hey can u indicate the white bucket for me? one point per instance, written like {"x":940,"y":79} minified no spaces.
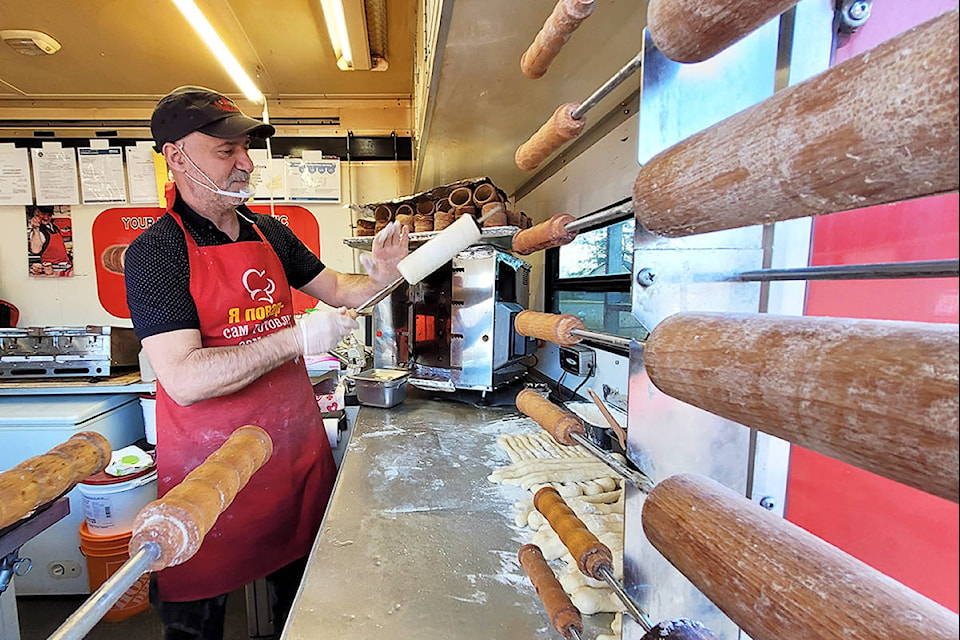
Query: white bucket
{"x":111,"y":504}
{"x":148,"y":403}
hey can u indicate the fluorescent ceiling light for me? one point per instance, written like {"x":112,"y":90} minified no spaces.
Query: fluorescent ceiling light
{"x":210,"y":37}
{"x":347,"y":26}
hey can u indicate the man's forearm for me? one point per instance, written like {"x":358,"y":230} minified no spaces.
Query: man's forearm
{"x":354,"y":289}
{"x":210,"y":372}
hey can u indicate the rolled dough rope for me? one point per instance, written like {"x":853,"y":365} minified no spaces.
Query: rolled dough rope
{"x":590,"y":553}
{"x":604,"y":498}
{"x":696,"y":30}
{"x":179,"y":520}
{"x":40,"y":479}
{"x":439,"y":250}
{"x":552,"y":134}
{"x":556,"y":30}
{"x":563,"y":615}
{"x":549,"y":326}
{"x":561,"y":424}
{"x":868,"y":131}
{"x":586,"y":472}
{"x":591,"y":601}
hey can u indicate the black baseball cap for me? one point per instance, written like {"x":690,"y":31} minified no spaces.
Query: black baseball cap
{"x":188,"y":109}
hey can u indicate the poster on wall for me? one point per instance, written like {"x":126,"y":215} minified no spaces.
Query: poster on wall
{"x":101,"y":174}
{"x":267,"y":176}
{"x":55,"y":174}
{"x":49,"y":241}
{"x":141,"y":173}
{"x":313,"y":178}
{"x":114,"y":229}
{"x":15,"y":187}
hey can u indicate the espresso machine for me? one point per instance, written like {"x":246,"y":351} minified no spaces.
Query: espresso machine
{"x":454,"y":329}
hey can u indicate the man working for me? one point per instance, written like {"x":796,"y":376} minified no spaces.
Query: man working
{"x":192,"y":279}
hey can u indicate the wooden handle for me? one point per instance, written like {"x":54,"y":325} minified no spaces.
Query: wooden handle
{"x":559,"y":26}
{"x":880,"y":395}
{"x":41,"y":479}
{"x":694,"y":30}
{"x":679,"y":629}
{"x":869,"y":131}
{"x":775,"y":580}
{"x":563,"y":614}
{"x":182,"y":517}
{"x":552,"y":233}
{"x":591,"y":554}
{"x":548,"y":326}
{"x":552,"y":134}
{"x":558,"y":423}
{"x":617,"y":429}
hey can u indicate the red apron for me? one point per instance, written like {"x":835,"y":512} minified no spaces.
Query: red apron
{"x":241,"y":293}
{"x":56,"y":251}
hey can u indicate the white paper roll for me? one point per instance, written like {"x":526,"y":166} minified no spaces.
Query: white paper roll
{"x":439,"y":250}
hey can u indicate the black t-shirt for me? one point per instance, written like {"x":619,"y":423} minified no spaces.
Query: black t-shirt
{"x":157,"y":269}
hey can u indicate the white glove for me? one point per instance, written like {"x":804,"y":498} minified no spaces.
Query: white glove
{"x":321,"y":331}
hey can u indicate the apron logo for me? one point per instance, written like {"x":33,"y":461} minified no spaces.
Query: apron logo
{"x":260,"y":287}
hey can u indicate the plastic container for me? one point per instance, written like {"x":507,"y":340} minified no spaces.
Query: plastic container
{"x":148,"y":404}
{"x":105,"y":555}
{"x":383,"y":388}
{"x":110,"y":504}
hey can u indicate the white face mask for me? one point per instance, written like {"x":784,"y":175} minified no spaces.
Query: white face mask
{"x":244,"y":194}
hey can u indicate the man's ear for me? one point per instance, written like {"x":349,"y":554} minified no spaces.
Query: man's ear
{"x":174,"y":156}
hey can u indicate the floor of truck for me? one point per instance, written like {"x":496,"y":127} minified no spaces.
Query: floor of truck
{"x":42,"y":615}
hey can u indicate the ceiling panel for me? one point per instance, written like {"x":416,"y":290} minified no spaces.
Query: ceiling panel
{"x":117,"y":50}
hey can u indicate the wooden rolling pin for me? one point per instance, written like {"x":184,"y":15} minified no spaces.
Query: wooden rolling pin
{"x":552,"y":134}
{"x":696,"y":30}
{"x":564,"y":616}
{"x":41,"y":479}
{"x":552,"y":233}
{"x":554,"y":420}
{"x":775,"y":580}
{"x":880,"y":395}
{"x":880,"y":127}
{"x":559,"y":26}
{"x":179,"y":520}
{"x":595,"y":560}
{"x":549,"y":326}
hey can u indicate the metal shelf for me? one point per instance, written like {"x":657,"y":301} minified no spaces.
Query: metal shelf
{"x":500,"y":237}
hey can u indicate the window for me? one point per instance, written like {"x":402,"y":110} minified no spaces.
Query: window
{"x":590,"y":278}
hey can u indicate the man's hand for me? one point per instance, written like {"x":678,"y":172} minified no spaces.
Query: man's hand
{"x":390,"y":246}
{"x":321,"y":331}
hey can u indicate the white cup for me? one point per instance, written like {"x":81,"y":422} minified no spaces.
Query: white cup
{"x":148,"y":403}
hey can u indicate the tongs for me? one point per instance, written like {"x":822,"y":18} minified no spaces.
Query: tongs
{"x":367,"y":307}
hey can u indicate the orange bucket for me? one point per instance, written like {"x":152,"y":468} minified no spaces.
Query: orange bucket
{"x":106,"y":554}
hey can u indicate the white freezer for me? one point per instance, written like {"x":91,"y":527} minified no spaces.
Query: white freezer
{"x":32,"y":425}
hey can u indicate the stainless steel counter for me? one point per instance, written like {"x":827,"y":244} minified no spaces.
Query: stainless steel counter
{"x":416,"y":541}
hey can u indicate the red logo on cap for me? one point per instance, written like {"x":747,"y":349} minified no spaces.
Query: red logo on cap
{"x":225,"y":104}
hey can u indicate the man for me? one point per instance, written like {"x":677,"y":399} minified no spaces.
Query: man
{"x":46,"y":240}
{"x":208,"y":286}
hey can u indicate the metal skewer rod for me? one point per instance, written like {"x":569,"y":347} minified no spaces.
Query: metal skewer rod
{"x":635,"y":612}
{"x":605,"y":338}
{"x":608,"y":86}
{"x":881,"y":270}
{"x":616,"y":213}
{"x":98,"y":604}
{"x":636,"y":478}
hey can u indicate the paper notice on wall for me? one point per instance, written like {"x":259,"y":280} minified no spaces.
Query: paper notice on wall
{"x":141,"y":176}
{"x":101,"y":174}
{"x":313,"y":178}
{"x":15,"y":186}
{"x":267,"y":176}
{"x":55,"y":174}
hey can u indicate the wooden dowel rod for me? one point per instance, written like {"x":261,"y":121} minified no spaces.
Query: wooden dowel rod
{"x":880,"y":127}
{"x":775,"y":580}
{"x":697,"y":30}
{"x":880,"y":395}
